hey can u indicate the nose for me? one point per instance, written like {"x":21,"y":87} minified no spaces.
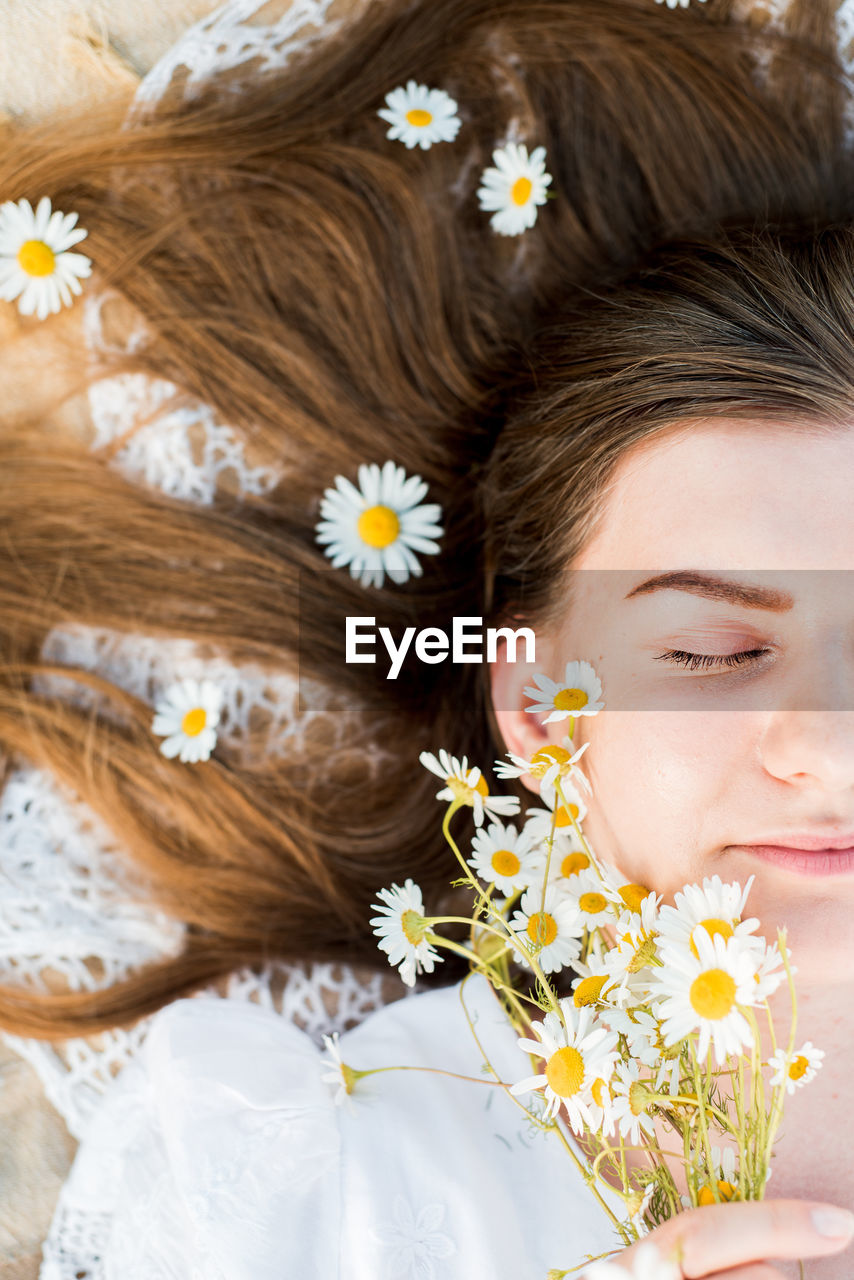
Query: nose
{"x":810,"y":749}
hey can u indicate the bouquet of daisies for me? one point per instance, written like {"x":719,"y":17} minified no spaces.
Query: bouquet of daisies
{"x":643,"y":1021}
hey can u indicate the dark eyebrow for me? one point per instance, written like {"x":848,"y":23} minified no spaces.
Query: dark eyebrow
{"x":714,"y":588}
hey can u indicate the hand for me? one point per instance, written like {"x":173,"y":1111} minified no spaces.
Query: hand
{"x":733,"y":1241}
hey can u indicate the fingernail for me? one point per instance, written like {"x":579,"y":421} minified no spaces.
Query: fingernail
{"x":833,"y":1222}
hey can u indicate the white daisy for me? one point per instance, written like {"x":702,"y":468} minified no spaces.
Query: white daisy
{"x":467,"y":785}
{"x":629,"y":960}
{"x":578,"y":695}
{"x":632,"y":1098}
{"x":514,"y":187}
{"x":35,"y":265}
{"x":335,"y":1071}
{"x":718,"y":907}
{"x":590,"y":987}
{"x":647,"y":1264}
{"x":770,"y":970}
{"x":402,"y":930}
{"x":505,"y":857}
{"x":798,"y":1069}
{"x":539,"y":821}
{"x":552,"y":928}
{"x":724,"y":1173}
{"x":702,"y":993}
{"x":376,"y":528}
{"x":189,"y":714}
{"x":547,"y":764}
{"x":638,"y":1027}
{"x":420,"y":116}
{"x":597,"y":902}
{"x":578,"y":1052}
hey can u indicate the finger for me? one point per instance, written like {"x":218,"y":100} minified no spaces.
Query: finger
{"x":720,"y":1236}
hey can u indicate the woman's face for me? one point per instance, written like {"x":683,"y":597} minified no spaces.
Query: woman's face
{"x":691,"y":767}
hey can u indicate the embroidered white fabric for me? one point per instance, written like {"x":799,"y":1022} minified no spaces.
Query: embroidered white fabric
{"x":220,"y":1154}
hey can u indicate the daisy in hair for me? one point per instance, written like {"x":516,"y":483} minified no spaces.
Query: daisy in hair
{"x":188,"y":715}
{"x":377,"y":528}
{"x":579,"y":694}
{"x":578,"y":1052}
{"x":402,"y":929}
{"x":420,"y":116}
{"x":467,"y":785}
{"x":513,"y":187}
{"x":36,"y":266}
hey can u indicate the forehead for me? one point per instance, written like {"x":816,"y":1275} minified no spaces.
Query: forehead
{"x":730,"y":494}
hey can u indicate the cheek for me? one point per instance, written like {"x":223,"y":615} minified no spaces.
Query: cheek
{"x":661,"y":785}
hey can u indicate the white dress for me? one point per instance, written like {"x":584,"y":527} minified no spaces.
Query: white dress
{"x":220,"y":1153}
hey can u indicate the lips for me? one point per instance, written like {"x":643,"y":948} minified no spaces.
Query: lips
{"x":806,"y":842}
{"x":816,"y":858}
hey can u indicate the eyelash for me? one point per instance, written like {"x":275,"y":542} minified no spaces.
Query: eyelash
{"x":695,"y":660}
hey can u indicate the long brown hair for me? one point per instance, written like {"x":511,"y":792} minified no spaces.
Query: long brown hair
{"x":341,"y":299}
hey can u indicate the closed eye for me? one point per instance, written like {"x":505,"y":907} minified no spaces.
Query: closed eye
{"x":696,"y":660}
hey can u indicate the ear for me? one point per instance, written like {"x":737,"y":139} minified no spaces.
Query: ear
{"x":523,"y":732}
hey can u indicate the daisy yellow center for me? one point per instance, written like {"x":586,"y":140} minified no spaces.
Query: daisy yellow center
{"x":565,"y":1071}
{"x":418,"y":117}
{"x":713,"y":926}
{"x":348,"y":1077}
{"x":378,"y":526}
{"x":542,"y":760}
{"x":36,"y":258}
{"x":564,"y":815}
{"x":599,"y":1091}
{"x":640,"y":1097}
{"x":194,"y":721}
{"x":588,"y":991}
{"x":573,"y":863}
{"x":643,"y":954}
{"x":505,"y":862}
{"x":712,"y":994}
{"x":520,"y":192}
{"x":414,"y":926}
{"x":542,"y":928}
{"x":569,"y":699}
{"x":726,"y":1191}
{"x":462,"y":790}
{"x":633,"y":895}
{"x":592,"y":903}
{"x":798,"y":1067}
